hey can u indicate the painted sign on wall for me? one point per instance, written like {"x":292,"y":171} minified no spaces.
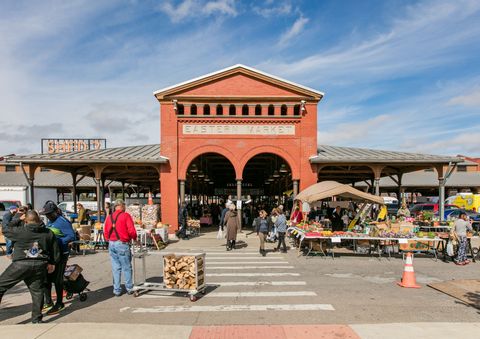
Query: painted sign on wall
{"x":239,"y":129}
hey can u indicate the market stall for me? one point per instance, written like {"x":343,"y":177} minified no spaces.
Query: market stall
{"x":363,"y":235}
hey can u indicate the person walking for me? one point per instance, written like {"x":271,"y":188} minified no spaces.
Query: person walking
{"x":7,"y":218}
{"x":233,"y":226}
{"x":182,"y":221}
{"x":119,"y":231}
{"x":36,"y":253}
{"x":461,"y":227}
{"x":63,"y":230}
{"x":281,"y":226}
{"x":262,"y":225}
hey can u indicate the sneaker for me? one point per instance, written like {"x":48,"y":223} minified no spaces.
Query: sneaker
{"x":130,"y":292}
{"x":117,"y":294}
{"x":39,"y":321}
{"x":47,"y":307}
{"x":467,"y":262}
{"x":56,"y":309}
{"x":264,"y":253}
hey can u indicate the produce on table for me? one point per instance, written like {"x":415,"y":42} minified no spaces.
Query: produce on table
{"x":193,"y":223}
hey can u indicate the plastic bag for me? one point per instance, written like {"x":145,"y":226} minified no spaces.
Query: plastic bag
{"x":220,"y":233}
{"x":450,"y":251}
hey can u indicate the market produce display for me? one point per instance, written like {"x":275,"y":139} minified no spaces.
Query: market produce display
{"x":183,"y":272}
{"x":193,"y":223}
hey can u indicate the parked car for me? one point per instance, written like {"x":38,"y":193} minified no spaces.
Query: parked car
{"x":5,"y":206}
{"x":453,"y":214}
{"x":417,"y":209}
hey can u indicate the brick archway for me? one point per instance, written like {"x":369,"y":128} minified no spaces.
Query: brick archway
{"x":273,"y":150}
{"x":223,"y":151}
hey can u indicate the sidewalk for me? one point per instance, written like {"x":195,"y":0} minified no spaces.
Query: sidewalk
{"x":145,"y":331}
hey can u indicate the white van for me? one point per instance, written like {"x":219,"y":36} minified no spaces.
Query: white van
{"x":67,"y":207}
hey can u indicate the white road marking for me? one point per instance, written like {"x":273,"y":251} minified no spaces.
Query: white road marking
{"x":243,"y":258}
{"x":261,"y":294}
{"x":235,"y":308}
{"x":252,"y":274}
{"x":246,"y":262}
{"x":260,"y":283}
{"x":236,"y":294}
{"x":244,"y":267}
{"x":123,"y":309}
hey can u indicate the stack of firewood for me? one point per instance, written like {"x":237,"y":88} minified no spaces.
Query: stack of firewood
{"x":180,"y":272}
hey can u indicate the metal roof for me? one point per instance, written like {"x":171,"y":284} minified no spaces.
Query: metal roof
{"x":430,"y":179}
{"x":48,"y":179}
{"x":128,"y":154}
{"x":239,"y":66}
{"x":337,"y":154}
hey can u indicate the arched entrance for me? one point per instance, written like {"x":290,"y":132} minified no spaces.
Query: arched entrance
{"x":267,"y":179}
{"x":210,"y":179}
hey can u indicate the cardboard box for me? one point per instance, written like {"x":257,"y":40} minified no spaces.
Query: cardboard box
{"x":72,"y":272}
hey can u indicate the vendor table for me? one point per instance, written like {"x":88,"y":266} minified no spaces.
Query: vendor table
{"x":377,"y":242}
{"x":206,"y":220}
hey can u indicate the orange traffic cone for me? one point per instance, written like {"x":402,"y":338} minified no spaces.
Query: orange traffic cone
{"x":408,"y":278}
{"x":150,"y":200}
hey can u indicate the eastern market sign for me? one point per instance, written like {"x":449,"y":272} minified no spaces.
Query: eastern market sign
{"x":239,"y":129}
{"x":53,"y":146}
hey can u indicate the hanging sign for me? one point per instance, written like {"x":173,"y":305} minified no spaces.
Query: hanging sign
{"x":53,"y":146}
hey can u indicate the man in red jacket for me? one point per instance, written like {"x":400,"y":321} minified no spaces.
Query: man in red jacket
{"x":119,"y":231}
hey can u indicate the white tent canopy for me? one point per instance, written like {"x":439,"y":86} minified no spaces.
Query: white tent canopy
{"x":328,"y":189}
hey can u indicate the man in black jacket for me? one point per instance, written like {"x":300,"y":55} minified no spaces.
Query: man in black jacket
{"x":36,"y":251}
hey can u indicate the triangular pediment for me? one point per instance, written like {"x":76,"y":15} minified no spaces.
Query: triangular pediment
{"x":238,"y":82}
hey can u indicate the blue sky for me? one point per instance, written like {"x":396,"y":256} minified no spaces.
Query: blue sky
{"x":397,"y":75}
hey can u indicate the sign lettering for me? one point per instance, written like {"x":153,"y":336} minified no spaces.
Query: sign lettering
{"x":238,"y":129}
{"x":53,"y":146}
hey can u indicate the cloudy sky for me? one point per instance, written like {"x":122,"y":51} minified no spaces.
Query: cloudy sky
{"x":397,"y":74}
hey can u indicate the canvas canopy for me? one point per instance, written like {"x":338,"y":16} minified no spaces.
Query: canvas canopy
{"x":328,"y":189}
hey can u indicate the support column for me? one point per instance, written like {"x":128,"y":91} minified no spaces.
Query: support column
{"x":441,"y":191}
{"x":123,"y":190}
{"x":182,"y":191}
{"x":377,"y":186}
{"x":74,"y":191}
{"x":377,"y":174}
{"x":97,"y":172}
{"x":239,"y":198}
{"x":295,"y":189}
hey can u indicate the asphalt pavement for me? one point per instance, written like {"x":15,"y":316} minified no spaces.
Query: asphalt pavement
{"x":245,"y":288}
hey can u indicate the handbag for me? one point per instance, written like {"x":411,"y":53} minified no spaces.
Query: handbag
{"x":220,"y":233}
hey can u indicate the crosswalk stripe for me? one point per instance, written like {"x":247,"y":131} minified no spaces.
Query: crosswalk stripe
{"x":252,"y":274}
{"x":260,"y":283}
{"x":246,"y":262}
{"x":242,"y":258}
{"x":234,"y":308}
{"x":245,"y":267}
{"x":237,"y":294}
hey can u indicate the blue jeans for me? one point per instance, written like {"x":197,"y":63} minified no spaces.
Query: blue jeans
{"x":8,"y":244}
{"x":121,"y":259}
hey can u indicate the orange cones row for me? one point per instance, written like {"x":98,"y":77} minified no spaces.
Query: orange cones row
{"x":408,"y":278}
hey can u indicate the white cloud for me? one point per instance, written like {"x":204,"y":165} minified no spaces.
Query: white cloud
{"x":193,"y":8}
{"x":472,"y":99}
{"x":427,"y":37}
{"x":293,"y":31}
{"x":283,"y":8}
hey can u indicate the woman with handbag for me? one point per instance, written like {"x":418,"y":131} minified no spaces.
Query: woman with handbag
{"x":233,"y":226}
{"x":262,"y":225}
{"x":461,"y":227}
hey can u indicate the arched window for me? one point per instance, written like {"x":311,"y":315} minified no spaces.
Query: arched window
{"x":271,"y":110}
{"x":258,"y":110}
{"x":193,"y":109}
{"x":296,"y":110}
{"x":180,"y":109}
{"x":219,"y":110}
{"x":232,"y":110}
{"x":245,"y":109}
{"x":206,"y":109}
{"x":283,"y":110}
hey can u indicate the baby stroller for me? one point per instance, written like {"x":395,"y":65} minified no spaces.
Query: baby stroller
{"x":75,"y":283}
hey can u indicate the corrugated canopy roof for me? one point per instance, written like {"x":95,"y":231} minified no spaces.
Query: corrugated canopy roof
{"x":48,"y":179}
{"x":337,"y":154}
{"x":117,"y":155}
{"x":430,"y":179}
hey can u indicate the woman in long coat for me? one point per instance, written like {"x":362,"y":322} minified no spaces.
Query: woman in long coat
{"x":233,"y":225}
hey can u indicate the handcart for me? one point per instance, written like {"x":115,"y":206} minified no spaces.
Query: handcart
{"x":75,"y":283}
{"x":190,"y":270}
